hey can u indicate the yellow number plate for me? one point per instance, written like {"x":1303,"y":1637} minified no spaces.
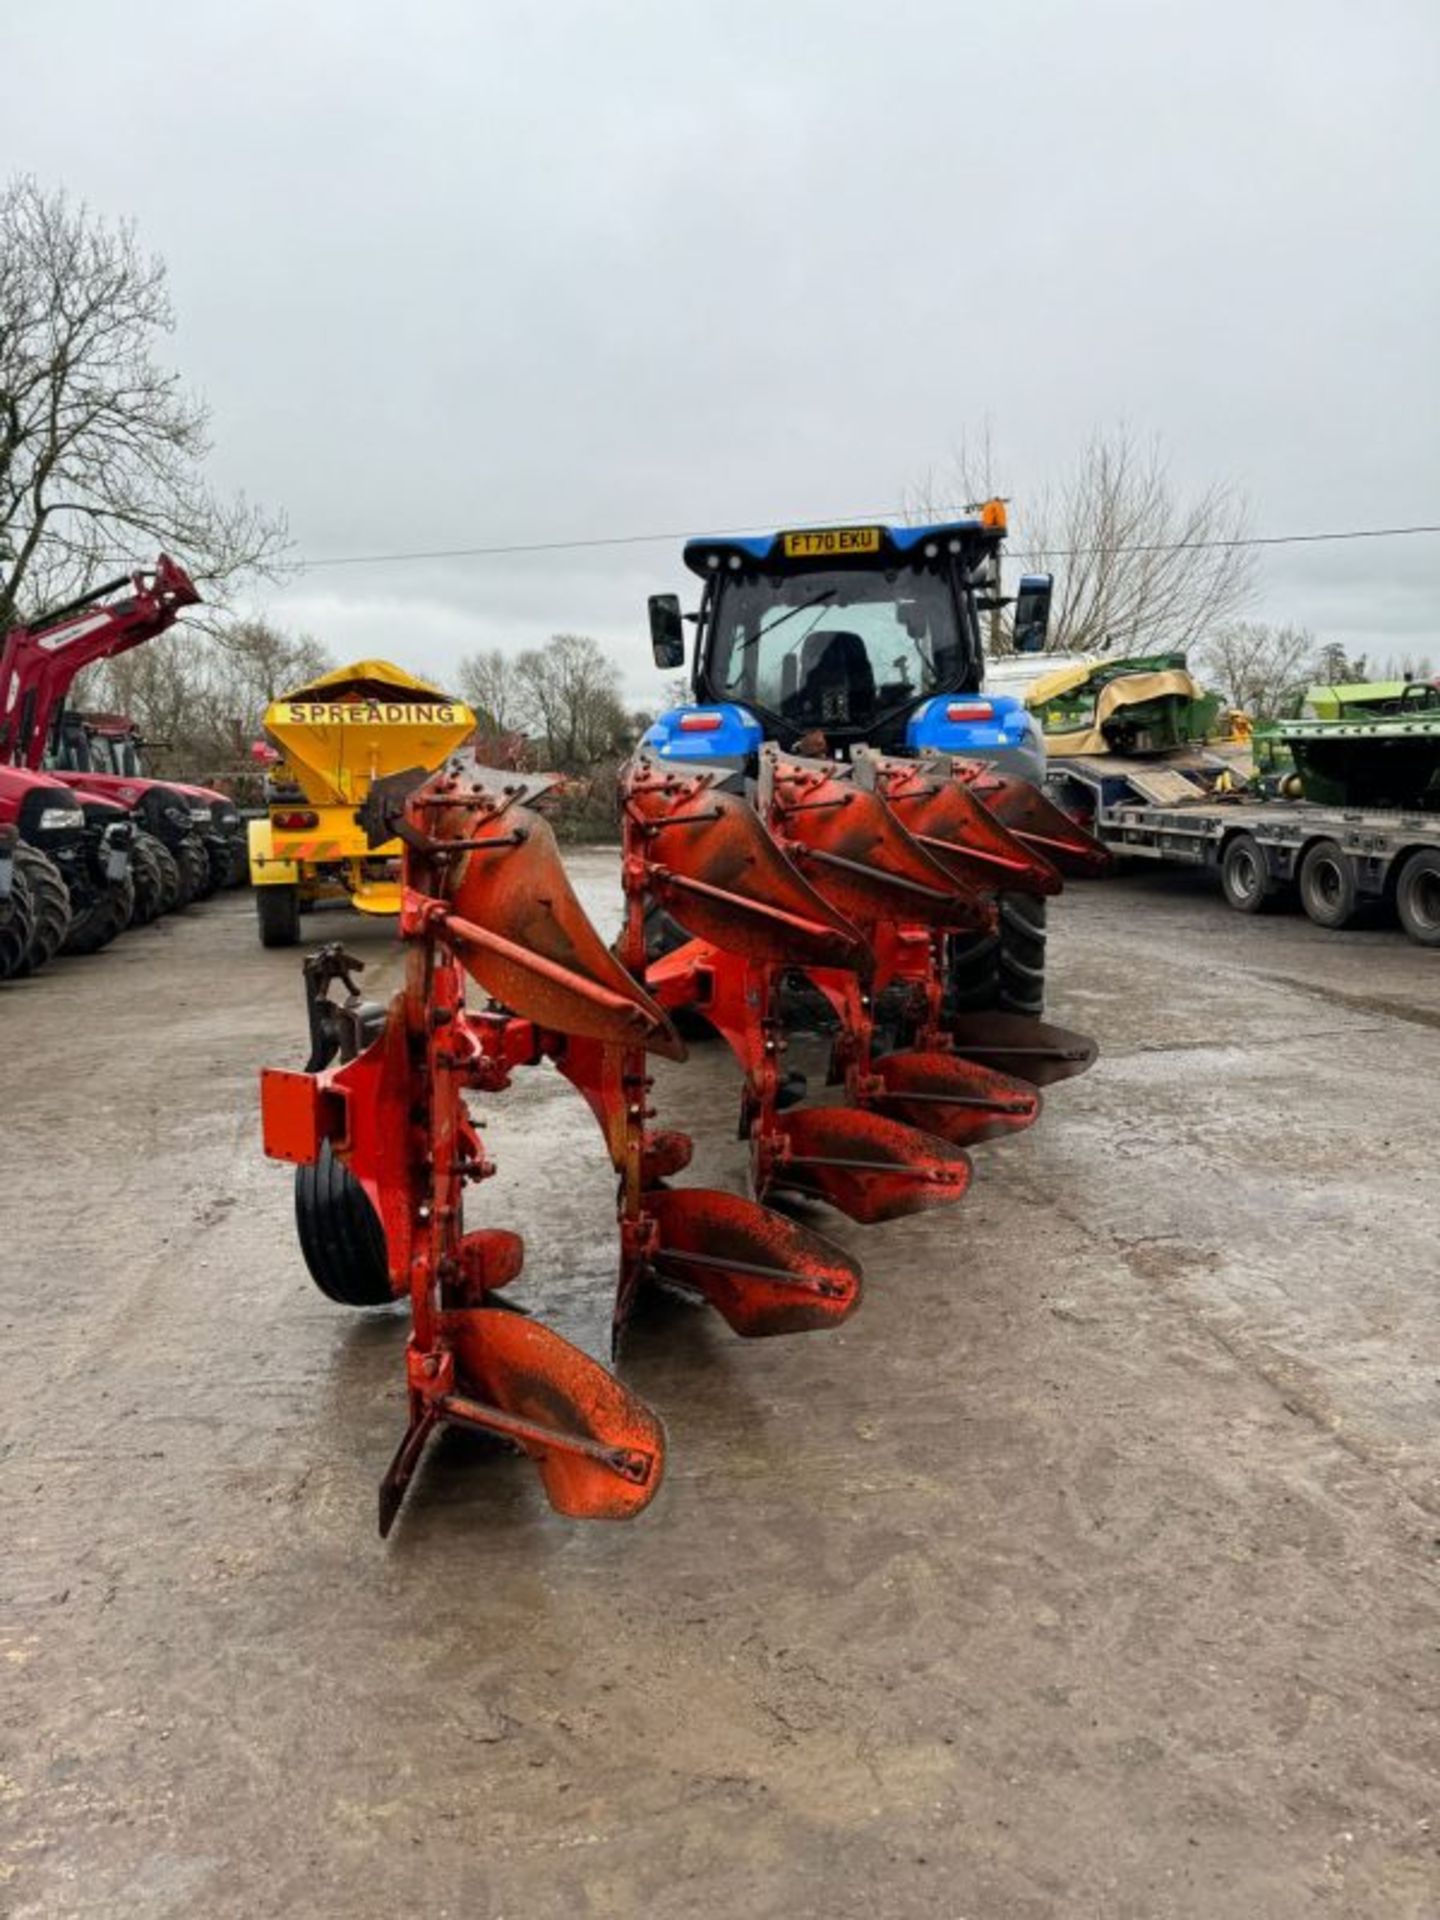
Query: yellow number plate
{"x":819,"y":542}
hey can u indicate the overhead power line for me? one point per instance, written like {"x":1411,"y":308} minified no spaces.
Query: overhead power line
{"x":883,"y":514}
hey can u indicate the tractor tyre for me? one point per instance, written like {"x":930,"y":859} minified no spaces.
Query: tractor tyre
{"x":49,"y":906}
{"x":1245,"y":875}
{"x":17,"y":922}
{"x":194,"y":870}
{"x":340,"y":1234}
{"x":1327,"y":885}
{"x":217,"y":860}
{"x":1417,"y":896}
{"x":1002,"y":971}
{"x":172,"y":884}
{"x":278,"y":911}
{"x":109,"y":916}
{"x":149,"y":881}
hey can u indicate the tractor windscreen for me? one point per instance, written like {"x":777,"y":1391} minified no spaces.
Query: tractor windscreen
{"x":838,"y":649}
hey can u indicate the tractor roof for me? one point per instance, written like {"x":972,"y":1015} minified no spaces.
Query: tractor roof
{"x":367,"y":680}
{"x":797,"y":548}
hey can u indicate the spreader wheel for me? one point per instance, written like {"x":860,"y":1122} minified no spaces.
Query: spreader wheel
{"x":278,"y":911}
{"x":340,"y":1235}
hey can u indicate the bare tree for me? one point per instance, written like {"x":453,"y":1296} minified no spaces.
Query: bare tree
{"x":200,"y":698}
{"x":1335,"y":668}
{"x":1258,"y":667}
{"x":1138,"y":567}
{"x":492,"y":684}
{"x":572,"y":695}
{"x":101,"y":448}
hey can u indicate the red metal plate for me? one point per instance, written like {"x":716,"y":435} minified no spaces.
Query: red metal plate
{"x":526,"y":1370}
{"x":870,"y":1167}
{"x":763,"y":1273}
{"x":714,"y":866}
{"x":1029,"y":1049}
{"x":961,"y":831}
{"x":860,"y":856}
{"x":1033,"y":817}
{"x":545,"y":960}
{"x":953,"y":1098}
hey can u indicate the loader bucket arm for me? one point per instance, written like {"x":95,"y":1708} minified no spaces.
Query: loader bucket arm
{"x":39,"y":661}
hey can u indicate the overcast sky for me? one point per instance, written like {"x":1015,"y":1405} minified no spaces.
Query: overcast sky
{"x":465,"y":274}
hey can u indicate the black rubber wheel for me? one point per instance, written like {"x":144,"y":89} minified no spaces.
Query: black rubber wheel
{"x":1327,"y":885}
{"x":145,"y":871}
{"x":195,"y":866}
{"x":109,"y":916}
{"x":16,"y":924}
{"x":171,"y":884}
{"x":1004,"y":970}
{"x":217,"y":859}
{"x":49,"y":907}
{"x":278,"y":911}
{"x":1417,"y":896}
{"x":340,"y":1236}
{"x":1245,"y":876}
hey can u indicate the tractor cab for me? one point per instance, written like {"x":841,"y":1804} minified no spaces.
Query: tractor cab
{"x":848,"y":636}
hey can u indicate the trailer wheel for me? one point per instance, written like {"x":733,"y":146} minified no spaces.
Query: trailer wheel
{"x":49,"y":907}
{"x":278,"y":911}
{"x":1417,"y":896}
{"x":1003,"y":970}
{"x":1245,"y":876}
{"x":1327,"y":885}
{"x":340,"y":1236}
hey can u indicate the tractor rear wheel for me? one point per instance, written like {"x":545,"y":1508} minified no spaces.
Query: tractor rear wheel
{"x":278,"y":911}
{"x":1417,"y":897}
{"x":1002,"y":971}
{"x":17,"y":921}
{"x":1327,"y":885}
{"x":340,"y":1235}
{"x":49,"y":906}
{"x":109,"y":916}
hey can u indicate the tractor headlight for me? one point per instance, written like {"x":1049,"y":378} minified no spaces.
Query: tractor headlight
{"x":61,"y":819}
{"x":200,"y":816}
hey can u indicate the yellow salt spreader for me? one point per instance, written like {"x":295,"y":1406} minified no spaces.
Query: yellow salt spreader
{"x":335,"y":737}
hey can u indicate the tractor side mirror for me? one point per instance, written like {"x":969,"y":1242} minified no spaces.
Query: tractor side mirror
{"x":667,"y":631}
{"x":1032,"y":611}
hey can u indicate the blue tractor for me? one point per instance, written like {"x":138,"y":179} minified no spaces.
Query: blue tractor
{"x":827,"y":640}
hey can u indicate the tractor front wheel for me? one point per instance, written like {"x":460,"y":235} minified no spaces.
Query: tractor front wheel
{"x":49,"y":903}
{"x":109,"y":916}
{"x":278,"y":911}
{"x":17,"y":924}
{"x":340,"y":1235}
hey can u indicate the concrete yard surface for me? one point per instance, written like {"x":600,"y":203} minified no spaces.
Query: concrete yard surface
{"x":1090,"y":1570}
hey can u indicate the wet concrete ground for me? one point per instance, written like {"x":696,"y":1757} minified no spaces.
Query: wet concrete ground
{"x":1091,"y":1570}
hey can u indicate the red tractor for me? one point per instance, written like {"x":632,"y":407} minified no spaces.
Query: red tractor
{"x":83,"y":839}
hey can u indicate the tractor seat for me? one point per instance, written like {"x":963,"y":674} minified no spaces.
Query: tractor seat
{"x":837,"y":682}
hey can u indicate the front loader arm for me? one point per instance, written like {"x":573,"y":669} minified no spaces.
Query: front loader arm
{"x":39,"y":662}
